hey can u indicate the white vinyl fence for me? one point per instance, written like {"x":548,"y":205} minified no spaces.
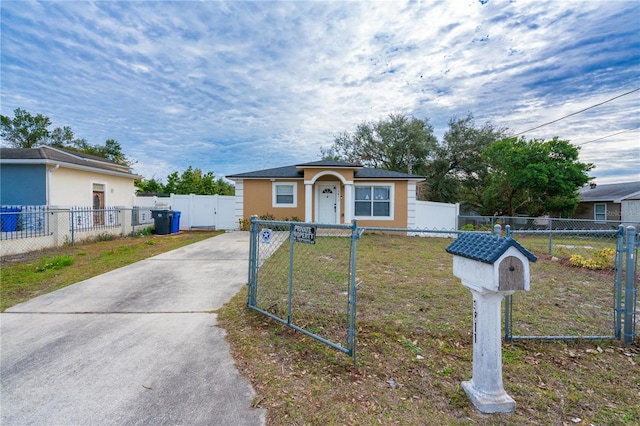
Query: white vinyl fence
{"x":437,"y":216}
{"x":196,"y":211}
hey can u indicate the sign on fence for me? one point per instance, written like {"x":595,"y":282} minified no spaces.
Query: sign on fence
{"x":304,"y":234}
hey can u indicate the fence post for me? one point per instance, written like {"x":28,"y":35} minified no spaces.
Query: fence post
{"x":630,"y":288}
{"x":290,"y":283}
{"x":73,"y":225}
{"x":352,"y":294}
{"x":550,"y":236}
{"x":508,"y":306}
{"x":617,"y":284}
{"x":253,"y":261}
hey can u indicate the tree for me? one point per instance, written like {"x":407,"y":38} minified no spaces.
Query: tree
{"x":149,"y":186}
{"x":191,"y":181}
{"x":399,"y":143}
{"x":533,"y":177}
{"x":457,"y":172}
{"x":28,"y":131}
{"x":25,"y":130}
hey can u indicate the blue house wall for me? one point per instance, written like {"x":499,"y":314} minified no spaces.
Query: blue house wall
{"x":23,"y":185}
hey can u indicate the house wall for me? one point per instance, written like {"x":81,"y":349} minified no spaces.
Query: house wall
{"x":258,"y":200}
{"x":631,"y":211}
{"x":70,"y":187}
{"x":23,"y":185}
{"x":586,"y":211}
{"x":309,"y":174}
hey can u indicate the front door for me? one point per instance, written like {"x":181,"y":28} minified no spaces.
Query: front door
{"x":98,"y":206}
{"x":328,"y":203}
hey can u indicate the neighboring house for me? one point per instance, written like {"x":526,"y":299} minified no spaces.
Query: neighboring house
{"x":328,"y":191}
{"x":48,"y":176}
{"x":616,"y":202}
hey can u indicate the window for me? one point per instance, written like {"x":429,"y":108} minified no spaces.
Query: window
{"x":373,"y":201}
{"x":600,"y":212}
{"x":285,"y":194}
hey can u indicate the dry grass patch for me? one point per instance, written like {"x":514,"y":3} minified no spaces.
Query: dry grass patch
{"x":414,"y":347}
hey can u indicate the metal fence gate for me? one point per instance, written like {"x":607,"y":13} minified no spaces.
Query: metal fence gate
{"x":588,"y":277}
{"x":303,"y":275}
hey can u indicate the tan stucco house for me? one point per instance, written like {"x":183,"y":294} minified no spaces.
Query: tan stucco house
{"x":328,"y":191}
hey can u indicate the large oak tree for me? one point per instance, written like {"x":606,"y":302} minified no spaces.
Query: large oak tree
{"x":399,"y":143}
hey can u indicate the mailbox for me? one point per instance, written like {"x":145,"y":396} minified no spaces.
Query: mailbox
{"x":491,"y":267}
{"x":491,"y":263}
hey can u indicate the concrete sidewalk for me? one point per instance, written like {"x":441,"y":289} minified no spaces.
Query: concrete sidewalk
{"x":138,"y":345}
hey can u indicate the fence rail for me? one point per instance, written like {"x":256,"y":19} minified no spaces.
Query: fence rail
{"x":471,"y":223}
{"x":33,"y":228}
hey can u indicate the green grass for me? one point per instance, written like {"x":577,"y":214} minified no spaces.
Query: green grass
{"x":414,"y":344}
{"x":26,"y":276}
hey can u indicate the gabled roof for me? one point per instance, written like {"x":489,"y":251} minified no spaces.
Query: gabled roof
{"x":330,"y":163}
{"x":614,"y":192}
{"x":71,"y":159}
{"x":486,"y":248}
{"x":297,"y":171}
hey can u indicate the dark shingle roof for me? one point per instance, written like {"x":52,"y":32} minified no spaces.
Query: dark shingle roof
{"x":61,"y":155}
{"x":609,"y":192}
{"x":485,"y":248}
{"x":330,"y":163}
{"x":297,"y":172}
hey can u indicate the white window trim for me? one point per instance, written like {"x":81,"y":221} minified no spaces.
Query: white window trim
{"x":595,"y":213}
{"x":392,"y":191}
{"x":274,"y":195}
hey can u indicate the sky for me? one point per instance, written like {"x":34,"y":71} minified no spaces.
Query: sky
{"x":233,"y":87}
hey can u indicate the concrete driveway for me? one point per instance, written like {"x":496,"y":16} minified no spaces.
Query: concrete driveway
{"x":138,"y":345}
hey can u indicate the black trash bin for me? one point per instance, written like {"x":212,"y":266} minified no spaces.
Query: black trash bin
{"x":162,"y":221}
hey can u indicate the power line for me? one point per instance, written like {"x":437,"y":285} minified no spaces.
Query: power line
{"x":578,"y":112}
{"x":608,"y":136}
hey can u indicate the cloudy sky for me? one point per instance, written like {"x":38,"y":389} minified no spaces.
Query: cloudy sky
{"x":233,"y":87}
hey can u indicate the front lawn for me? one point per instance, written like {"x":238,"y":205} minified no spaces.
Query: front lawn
{"x":414,"y":347}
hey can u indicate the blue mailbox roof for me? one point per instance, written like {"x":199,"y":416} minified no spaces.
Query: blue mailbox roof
{"x":485,"y":248}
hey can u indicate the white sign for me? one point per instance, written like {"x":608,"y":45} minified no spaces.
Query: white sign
{"x":265,"y":236}
{"x":304,"y":234}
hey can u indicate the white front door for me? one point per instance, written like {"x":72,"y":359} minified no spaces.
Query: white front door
{"x":328,"y":203}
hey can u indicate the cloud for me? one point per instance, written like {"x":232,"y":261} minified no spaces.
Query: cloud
{"x":237,"y":86}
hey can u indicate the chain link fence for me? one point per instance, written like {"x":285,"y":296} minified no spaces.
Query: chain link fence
{"x":27,"y":229}
{"x":303,"y":275}
{"x":486,"y":223}
{"x":583,"y":285}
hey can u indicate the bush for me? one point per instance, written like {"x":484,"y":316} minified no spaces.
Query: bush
{"x":601,"y":259}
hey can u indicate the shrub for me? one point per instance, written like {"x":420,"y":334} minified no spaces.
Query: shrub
{"x":244,"y":224}
{"x":601,"y":259}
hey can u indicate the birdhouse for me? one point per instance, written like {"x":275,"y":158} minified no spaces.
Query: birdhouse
{"x":489,"y":263}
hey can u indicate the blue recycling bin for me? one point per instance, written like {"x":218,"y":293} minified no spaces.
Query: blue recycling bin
{"x":9,"y":218}
{"x":175,"y":222}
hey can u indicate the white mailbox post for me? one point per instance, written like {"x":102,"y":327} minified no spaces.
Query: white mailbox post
{"x":491,"y":267}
